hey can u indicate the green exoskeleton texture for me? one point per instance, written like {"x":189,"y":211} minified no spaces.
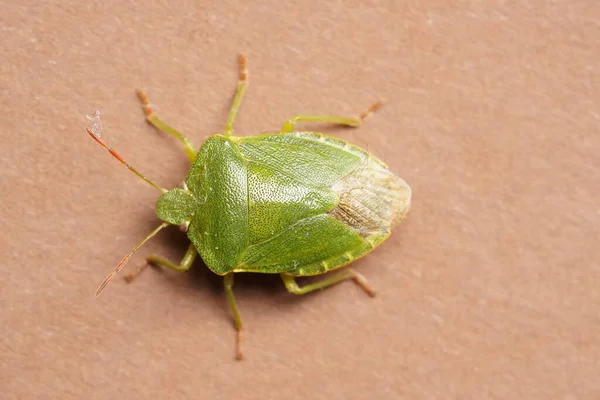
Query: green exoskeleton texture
{"x":292,"y":203}
{"x":300,"y":203}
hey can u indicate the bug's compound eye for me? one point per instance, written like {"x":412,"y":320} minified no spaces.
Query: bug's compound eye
{"x":184,"y":227}
{"x":176,"y":206}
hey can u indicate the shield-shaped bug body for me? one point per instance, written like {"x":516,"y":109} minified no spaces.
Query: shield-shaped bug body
{"x":291,"y":203}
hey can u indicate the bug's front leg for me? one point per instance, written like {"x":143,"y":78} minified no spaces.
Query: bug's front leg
{"x":348,"y":273}
{"x":161,"y":126}
{"x":153,"y":259}
{"x":290,"y":124}
{"x":243,"y":83}
{"x":237,"y":320}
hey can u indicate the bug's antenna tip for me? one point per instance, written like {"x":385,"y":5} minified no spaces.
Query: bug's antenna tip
{"x":104,"y":283}
{"x":125,"y":259}
{"x":95,"y":128}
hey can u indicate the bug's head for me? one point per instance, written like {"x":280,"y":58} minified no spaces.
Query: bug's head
{"x":173,"y":207}
{"x":176,"y":206}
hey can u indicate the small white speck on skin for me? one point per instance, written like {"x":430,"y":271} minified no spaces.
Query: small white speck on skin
{"x":429,"y":19}
{"x":95,"y":125}
{"x":437,"y":319}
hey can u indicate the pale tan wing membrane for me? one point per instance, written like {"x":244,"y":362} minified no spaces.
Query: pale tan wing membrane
{"x":371,"y":199}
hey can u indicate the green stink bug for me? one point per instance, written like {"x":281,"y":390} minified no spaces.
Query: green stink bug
{"x":290,"y":203}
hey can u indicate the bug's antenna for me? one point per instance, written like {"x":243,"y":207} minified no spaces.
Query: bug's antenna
{"x":95,"y":131}
{"x":127,"y":257}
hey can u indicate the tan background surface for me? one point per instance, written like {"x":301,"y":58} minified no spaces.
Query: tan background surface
{"x":489,"y":290}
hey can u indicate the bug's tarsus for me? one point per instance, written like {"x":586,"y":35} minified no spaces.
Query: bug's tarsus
{"x":145,"y":104}
{"x":132,"y":275}
{"x":239,"y":353}
{"x":363,"y":283}
{"x":243,"y":68}
{"x":370,"y":111}
{"x":239,"y":94}
{"x":122,"y":263}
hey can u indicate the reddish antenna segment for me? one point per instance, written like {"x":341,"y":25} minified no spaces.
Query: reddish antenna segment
{"x":95,"y":131}
{"x":121,"y":264}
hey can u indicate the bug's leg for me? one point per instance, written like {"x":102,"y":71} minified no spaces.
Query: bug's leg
{"x":153,"y":259}
{"x":161,"y":126}
{"x":290,"y":124}
{"x":348,"y":273}
{"x":239,"y":94}
{"x":237,"y":320}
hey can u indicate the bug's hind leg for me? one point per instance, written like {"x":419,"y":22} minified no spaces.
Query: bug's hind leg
{"x":348,"y":273}
{"x":153,"y":259}
{"x":237,"y":320}
{"x":161,"y":126}
{"x":290,"y":124}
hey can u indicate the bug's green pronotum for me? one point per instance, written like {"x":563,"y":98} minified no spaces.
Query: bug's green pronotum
{"x":290,"y":203}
